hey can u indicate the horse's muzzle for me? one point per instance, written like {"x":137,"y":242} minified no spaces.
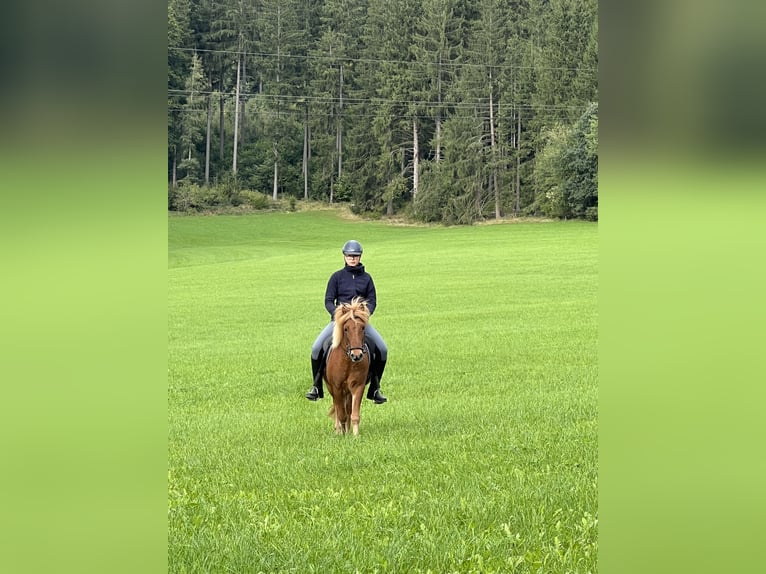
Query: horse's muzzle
{"x":356,"y":354}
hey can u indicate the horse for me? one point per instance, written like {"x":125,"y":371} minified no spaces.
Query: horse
{"x":348,"y":364}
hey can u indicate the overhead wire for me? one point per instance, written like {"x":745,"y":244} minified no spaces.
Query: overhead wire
{"x":382,"y":60}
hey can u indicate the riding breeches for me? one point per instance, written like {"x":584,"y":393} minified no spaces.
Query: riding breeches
{"x":369,"y":331}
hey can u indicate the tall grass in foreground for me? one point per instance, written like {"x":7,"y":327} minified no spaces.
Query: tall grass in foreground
{"x":484,"y":458}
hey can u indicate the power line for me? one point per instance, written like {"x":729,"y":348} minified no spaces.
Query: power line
{"x":286,"y":98}
{"x":382,"y":61}
{"x":314,"y":115}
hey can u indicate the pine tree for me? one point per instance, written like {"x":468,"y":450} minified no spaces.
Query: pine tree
{"x":565,"y":83}
{"x":388,"y":34}
{"x":437,"y":50}
{"x":233,"y":29}
{"x":179,"y":60}
{"x":333,"y":77}
{"x":481,"y":86}
{"x":193,"y":120}
{"x":518,"y":91}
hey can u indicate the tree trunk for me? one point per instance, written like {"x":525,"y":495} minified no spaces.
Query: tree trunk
{"x":332,"y":183}
{"x":221,"y":134}
{"x":438,"y":126}
{"x":438,"y":139}
{"x":276,"y":173}
{"x":207,"y":139}
{"x":518,"y":161}
{"x":493,"y":170}
{"x":175,"y":178}
{"x":339,"y":138}
{"x":236,"y":118}
{"x":306,"y":155}
{"x":415,"y":160}
{"x":243,"y":105}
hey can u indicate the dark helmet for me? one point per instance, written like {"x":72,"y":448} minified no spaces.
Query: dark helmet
{"x":352,"y":247}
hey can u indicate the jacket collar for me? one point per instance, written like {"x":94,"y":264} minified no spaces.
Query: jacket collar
{"x":357,"y":269}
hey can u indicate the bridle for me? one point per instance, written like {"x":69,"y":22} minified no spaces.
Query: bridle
{"x":363,"y":349}
{"x":349,"y":348}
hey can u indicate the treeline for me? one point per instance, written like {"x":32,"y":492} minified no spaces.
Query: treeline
{"x":442,"y":110}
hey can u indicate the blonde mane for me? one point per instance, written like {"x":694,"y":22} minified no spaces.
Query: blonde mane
{"x":357,"y":309}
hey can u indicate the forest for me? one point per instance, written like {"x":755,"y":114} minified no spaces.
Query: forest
{"x":446,"y":111}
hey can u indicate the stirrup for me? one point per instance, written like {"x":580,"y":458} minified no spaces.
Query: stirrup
{"x":313,"y":394}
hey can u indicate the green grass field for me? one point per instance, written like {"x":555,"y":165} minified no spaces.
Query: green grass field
{"x":485,"y":457}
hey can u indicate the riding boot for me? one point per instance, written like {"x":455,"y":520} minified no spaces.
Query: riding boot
{"x":373,"y":392}
{"x":316,"y":391}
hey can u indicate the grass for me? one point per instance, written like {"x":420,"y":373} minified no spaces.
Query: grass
{"x":484,"y":458}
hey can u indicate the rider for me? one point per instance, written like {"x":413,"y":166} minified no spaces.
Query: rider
{"x":343,"y":285}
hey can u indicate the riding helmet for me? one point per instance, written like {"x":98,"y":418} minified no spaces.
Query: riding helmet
{"x":352,"y":247}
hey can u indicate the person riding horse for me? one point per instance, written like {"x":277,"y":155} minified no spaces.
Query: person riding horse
{"x":343,"y":285}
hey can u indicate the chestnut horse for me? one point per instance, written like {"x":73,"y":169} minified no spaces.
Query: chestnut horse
{"x":348,"y":363}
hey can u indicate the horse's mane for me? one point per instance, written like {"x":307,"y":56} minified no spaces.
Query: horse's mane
{"x":357,"y":309}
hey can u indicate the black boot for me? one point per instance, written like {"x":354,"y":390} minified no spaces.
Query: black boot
{"x":373,"y":393}
{"x":316,"y":391}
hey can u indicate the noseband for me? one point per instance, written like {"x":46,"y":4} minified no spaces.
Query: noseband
{"x":349,"y":349}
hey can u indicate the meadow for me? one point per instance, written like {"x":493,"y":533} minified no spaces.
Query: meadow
{"x":484,"y":459}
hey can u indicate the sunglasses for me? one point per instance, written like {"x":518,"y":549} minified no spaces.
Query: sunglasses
{"x":352,"y":255}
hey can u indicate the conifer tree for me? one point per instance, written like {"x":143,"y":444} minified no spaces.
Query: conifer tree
{"x":179,"y":59}
{"x":333,"y":79}
{"x":193,"y":120}
{"x":437,"y":49}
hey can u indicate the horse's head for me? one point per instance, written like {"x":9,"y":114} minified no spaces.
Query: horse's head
{"x":350,"y":323}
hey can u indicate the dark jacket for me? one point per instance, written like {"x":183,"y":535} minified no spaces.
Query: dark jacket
{"x":347,"y":283}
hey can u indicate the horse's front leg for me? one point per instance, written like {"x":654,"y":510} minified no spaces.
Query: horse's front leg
{"x":341,"y":419}
{"x":356,"y":407}
{"x":348,"y":403}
